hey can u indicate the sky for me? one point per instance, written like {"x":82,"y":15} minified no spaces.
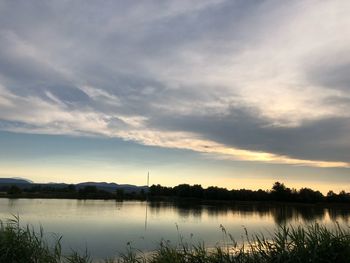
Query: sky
{"x":233,"y":93}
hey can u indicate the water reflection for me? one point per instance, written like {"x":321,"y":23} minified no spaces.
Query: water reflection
{"x":12,"y":202}
{"x":280,"y":213}
{"x":337,"y":214}
{"x":104,"y":227}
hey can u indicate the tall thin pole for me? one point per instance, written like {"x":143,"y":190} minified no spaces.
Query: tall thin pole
{"x":148,"y":179}
{"x":147,"y":200}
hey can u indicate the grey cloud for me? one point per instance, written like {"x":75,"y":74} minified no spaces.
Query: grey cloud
{"x":339,"y":101}
{"x":333,"y":75}
{"x":69,"y":94}
{"x":21,"y":73}
{"x":112,"y":46}
{"x":326,"y":139}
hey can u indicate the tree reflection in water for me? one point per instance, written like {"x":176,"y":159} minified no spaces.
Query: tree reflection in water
{"x":280,"y":213}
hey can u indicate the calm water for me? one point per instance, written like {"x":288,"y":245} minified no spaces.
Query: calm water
{"x":104,"y":227}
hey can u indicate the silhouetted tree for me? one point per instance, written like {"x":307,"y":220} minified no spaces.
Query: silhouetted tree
{"x":281,"y":193}
{"x":14,"y":189}
{"x":310,"y":196}
{"x":120,"y":193}
{"x":89,"y":189}
{"x":71,"y":188}
{"x":183,"y":190}
{"x":197,"y":191}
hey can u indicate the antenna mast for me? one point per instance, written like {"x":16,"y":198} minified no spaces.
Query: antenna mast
{"x":148,"y":179}
{"x":147,"y":200}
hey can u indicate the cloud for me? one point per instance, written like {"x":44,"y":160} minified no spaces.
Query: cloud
{"x":260,"y":81}
{"x":335,"y":75}
{"x":245,"y":128}
{"x":55,"y":118}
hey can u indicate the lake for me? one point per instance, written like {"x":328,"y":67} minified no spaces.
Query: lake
{"x":105,"y":227}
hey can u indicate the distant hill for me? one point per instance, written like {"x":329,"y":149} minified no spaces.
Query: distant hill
{"x":15,"y":181}
{"x":110,"y":187}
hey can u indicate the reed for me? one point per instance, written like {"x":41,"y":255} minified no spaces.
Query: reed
{"x":312,"y":243}
{"x":25,"y":245}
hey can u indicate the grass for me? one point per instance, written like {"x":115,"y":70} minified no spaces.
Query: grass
{"x":313,"y":243}
{"x":24,"y":245}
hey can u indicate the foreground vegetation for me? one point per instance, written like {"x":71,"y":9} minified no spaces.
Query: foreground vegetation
{"x":24,"y":245}
{"x":313,"y":243}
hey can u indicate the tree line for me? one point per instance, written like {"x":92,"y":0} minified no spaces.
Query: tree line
{"x":70,"y":191}
{"x":278,"y":192}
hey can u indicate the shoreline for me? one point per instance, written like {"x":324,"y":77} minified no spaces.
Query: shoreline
{"x":185,"y":201}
